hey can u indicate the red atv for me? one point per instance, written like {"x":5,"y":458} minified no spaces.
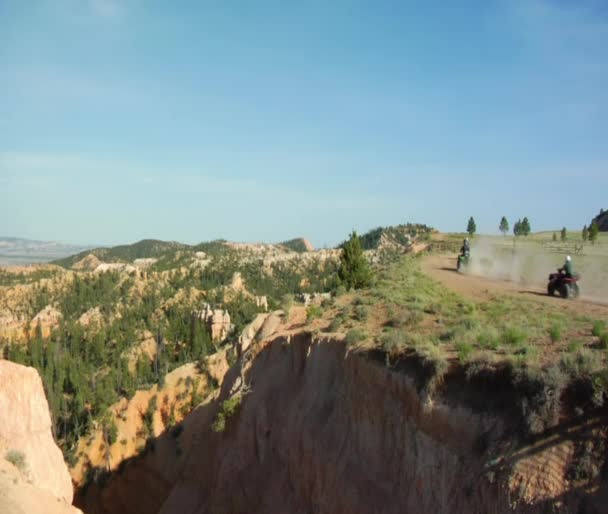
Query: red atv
{"x":567,"y":287}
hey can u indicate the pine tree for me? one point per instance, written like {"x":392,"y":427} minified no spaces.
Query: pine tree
{"x":525,"y":226}
{"x":504,"y":226}
{"x":517,"y":228}
{"x":471,"y":227}
{"x":354,"y":271}
{"x":585,"y":233}
{"x":593,"y":232}
{"x":564,"y":234}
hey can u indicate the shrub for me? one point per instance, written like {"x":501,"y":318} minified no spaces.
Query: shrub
{"x":448,"y":335}
{"x":111,"y":431}
{"x":527,"y":352}
{"x":340,"y":290}
{"x":361,"y":313}
{"x":354,"y":336}
{"x":604,"y":340}
{"x":488,"y":340}
{"x":228,"y":408}
{"x":397,"y":319}
{"x":513,"y":336}
{"x":16,"y":458}
{"x":336,"y":323}
{"x":393,"y":341}
{"x":313,"y":312}
{"x":598,"y":328}
{"x":578,"y":364}
{"x":574,"y":346}
{"x":555,"y":333}
{"x":470,"y":322}
{"x":464,"y":350}
{"x":286,"y":303}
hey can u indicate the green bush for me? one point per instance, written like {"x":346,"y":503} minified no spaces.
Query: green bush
{"x":513,"y":336}
{"x":354,"y":336}
{"x":604,"y":340}
{"x":340,"y":290}
{"x":361,"y":312}
{"x":336,"y":323}
{"x":16,"y":458}
{"x":313,"y":312}
{"x":393,"y":341}
{"x":579,"y":364}
{"x":488,"y":339}
{"x":464,"y":350}
{"x":574,"y":346}
{"x":228,"y":408}
{"x":598,"y":328}
{"x":555,"y":333}
{"x":286,"y":303}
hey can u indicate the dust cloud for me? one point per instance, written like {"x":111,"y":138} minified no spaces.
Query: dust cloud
{"x":530,"y":262}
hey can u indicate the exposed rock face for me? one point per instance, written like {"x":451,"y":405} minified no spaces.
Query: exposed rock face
{"x":264,"y":325}
{"x":325,"y":430}
{"x":48,"y":316}
{"x":88,"y":263}
{"x":170,"y":403}
{"x":93,"y":315}
{"x":250,"y":331}
{"x":115,"y":266}
{"x":308,"y":245}
{"x":270,"y":326}
{"x":313,"y":298}
{"x":217,"y":320}
{"x":18,"y":496}
{"x":25,"y":428}
{"x":144,"y":263}
{"x":147,"y":346}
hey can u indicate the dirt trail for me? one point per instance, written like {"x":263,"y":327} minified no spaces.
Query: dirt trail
{"x":443,"y":269}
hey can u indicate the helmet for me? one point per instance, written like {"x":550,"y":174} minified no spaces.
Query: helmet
{"x":568,"y":258}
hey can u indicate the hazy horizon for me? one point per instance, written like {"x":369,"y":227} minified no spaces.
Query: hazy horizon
{"x":125,"y":120}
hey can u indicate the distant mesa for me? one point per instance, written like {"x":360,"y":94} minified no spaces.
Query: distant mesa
{"x":15,"y":251}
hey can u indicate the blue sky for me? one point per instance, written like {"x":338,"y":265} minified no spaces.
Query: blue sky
{"x":189,"y":121}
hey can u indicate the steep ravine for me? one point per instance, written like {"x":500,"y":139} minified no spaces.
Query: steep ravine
{"x":324,"y":430}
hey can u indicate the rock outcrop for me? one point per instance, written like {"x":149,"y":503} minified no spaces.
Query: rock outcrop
{"x":327,"y":431}
{"x":18,"y":496}
{"x":88,"y":263}
{"x":25,"y":432}
{"x":217,"y":321}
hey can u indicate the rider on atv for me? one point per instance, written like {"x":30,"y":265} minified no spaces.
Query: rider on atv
{"x":463,"y":257}
{"x":564,"y":281}
{"x":566,"y":269}
{"x":465,"y":250}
